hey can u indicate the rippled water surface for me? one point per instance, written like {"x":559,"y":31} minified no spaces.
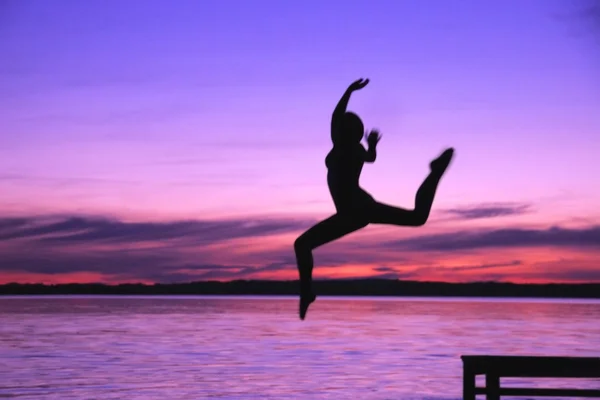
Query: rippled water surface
{"x":113,"y":347}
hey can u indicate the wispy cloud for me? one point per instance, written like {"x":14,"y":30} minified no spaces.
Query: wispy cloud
{"x":502,"y":238}
{"x":177,"y":251}
{"x":483,"y":266}
{"x":492,"y":210}
{"x":573,"y":273}
{"x":420,"y":272}
{"x":77,"y":229}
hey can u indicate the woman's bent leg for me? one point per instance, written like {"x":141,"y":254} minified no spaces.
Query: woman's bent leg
{"x":323,"y":232}
{"x":384,"y":214}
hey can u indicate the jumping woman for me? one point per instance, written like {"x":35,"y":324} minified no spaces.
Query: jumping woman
{"x":355,"y":207}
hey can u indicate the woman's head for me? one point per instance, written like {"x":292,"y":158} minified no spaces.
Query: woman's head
{"x":353,"y":128}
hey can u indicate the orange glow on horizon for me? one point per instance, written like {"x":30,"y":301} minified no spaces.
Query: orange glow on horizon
{"x":357,"y":256}
{"x":65,"y":278}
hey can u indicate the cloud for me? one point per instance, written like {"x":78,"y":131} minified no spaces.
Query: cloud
{"x":12,"y":223}
{"x":391,"y":273}
{"x":394,"y":275}
{"x":493,"y":210}
{"x":114,"y":262}
{"x":573,"y":273}
{"x":189,"y":273}
{"x":502,"y":238}
{"x":140,"y":250}
{"x":126,"y":266}
{"x":239,"y":272}
{"x":419,"y":273}
{"x":179,"y":251}
{"x":77,"y":229}
{"x":483,"y":266}
{"x":384,"y":269}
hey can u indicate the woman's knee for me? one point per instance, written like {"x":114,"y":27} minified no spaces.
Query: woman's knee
{"x":301,"y":244}
{"x":419,"y":218}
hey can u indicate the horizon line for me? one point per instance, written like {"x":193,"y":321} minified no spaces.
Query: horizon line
{"x":289,"y":281}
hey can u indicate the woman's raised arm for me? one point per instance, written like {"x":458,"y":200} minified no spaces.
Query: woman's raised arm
{"x":340,"y":108}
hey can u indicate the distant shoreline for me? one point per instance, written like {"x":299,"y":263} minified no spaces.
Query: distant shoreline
{"x":354,"y":287}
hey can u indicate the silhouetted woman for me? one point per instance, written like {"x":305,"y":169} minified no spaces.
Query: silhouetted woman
{"x":355,"y":207}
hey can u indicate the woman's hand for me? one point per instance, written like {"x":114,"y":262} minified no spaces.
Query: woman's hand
{"x":373,"y":138}
{"x":358,"y":84}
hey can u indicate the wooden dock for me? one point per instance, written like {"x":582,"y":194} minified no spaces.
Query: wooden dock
{"x":496,"y":367}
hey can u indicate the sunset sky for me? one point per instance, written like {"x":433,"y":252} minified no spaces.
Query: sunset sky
{"x":169,"y":141}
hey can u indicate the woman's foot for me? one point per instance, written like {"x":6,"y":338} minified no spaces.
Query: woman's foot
{"x":440,"y":164}
{"x":305,"y":301}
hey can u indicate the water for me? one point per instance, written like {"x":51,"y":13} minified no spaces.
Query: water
{"x":159,"y":347}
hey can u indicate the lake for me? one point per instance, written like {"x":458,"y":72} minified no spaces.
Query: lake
{"x":243,"y":347}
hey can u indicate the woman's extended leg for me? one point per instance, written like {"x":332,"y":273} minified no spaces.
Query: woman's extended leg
{"x":385,"y":214}
{"x":323,"y":232}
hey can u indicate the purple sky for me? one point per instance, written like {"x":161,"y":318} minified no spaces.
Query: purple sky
{"x":159,"y":111}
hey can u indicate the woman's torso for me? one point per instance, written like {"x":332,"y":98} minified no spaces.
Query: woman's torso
{"x":344,"y":164}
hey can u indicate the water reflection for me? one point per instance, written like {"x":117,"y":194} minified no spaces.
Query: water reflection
{"x":193,"y":347}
